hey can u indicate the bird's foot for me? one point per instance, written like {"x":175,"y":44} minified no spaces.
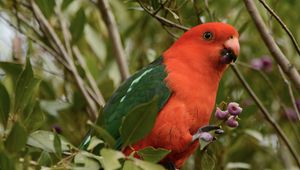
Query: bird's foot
{"x":203,"y":132}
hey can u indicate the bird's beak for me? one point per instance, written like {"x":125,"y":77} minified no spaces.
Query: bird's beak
{"x":230,"y":51}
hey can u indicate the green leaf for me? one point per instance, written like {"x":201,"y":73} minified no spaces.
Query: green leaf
{"x":53,"y":107}
{"x":86,"y":161}
{"x":243,"y":27}
{"x":94,"y":143}
{"x":4,"y":105}
{"x":137,"y":124}
{"x":45,"y":159}
{"x":148,"y":165}
{"x":16,"y":139}
{"x":207,"y":162}
{"x":6,"y":162}
{"x":203,"y":143}
{"x":111,"y":158}
{"x":57,"y":145}
{"x":45,"y":140}
{"x":65,"y":4}
{"x":259,"y":138}
{"x":12,"y":69}
{"x":152,"y":154}
{"x":26,"y":85}
{"x":77,"y":25}
{"x":35,"y":119}
{"x":47,"y":90}
{"x":155,"y":4}
{"x":175,"y":16}
{"x":46,"y":6}
{"x":103,"y":134}
{"x":129,"y":165}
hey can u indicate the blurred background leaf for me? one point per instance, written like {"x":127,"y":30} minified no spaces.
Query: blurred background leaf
{"x":39,"y":96}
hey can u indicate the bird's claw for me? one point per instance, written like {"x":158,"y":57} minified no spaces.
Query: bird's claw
{"x":219,"y":131}
{"x":207,"y":128}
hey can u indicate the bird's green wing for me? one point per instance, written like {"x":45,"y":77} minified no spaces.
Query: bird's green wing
{"x":138,"y":89}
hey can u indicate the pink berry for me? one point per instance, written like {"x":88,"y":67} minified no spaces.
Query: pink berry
{"x":256,"y":63}
{"x":221,"y":115}
{"x":232,"y":122}
{"x":291,"y":114}
{"x":234,"y":108}
{"x":266,"y":63}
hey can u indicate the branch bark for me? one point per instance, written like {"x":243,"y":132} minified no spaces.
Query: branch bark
{"x":112,"y":29}
{"x":162,"y":20}
{"x":284,"y":27}
{"x":49,"y":31}
{"x":95,"y":90}
{"x":266,"y":114}
{"x":281,"y":59}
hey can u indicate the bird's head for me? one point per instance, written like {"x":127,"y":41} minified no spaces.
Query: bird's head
{"x":211,"y":45}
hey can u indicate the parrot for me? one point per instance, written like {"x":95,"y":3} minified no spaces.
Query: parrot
{"x":185,"y":78}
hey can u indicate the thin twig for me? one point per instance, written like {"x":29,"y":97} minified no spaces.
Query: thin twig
{"x":65,"y":31}
{"x":99,"y":97}
{"x":294,"y":127}
{"x":160,"y":7}
{"x":197,"y":11}
{"x":95,"y":92}
{"x":163,"y":20}
{"x":208,"y":10}
{"x":175,"y":37}
{"x":49,"y":31}
{"x":263,"y":75}
{"x":26,"y":5}
{"x":112,"y":29}
{"x":281,"y":59}
{"x":271,"y":86}
{"x":15,"y":6}
{"x":266,"y":114}
{"x":37,"y":41}
{"x":26,"y":23}
{"x":282,"y":24}
{"x":288,"y":84}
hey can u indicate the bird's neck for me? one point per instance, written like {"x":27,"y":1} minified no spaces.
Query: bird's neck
{"x":194,"y":82}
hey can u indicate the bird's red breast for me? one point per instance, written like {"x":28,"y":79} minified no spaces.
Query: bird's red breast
{"x":194,"y":65}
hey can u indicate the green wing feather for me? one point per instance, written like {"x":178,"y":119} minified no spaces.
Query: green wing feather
{"x":138,"y":89}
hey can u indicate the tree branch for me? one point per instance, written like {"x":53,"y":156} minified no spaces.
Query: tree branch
{"x":281,"y":59}
{"x":288,"y":84}
{"x":37,"y":41}
{"x":112,"y":29}
{"x":284,"y":27}
{"x":65,"y":30}
{"x":49,"y":31}
{"x":96,"y":92}
{"x":163,"y":20}
{"x":266,"y":114}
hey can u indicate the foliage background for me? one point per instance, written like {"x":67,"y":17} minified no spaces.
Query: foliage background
{"x":49,"y":100}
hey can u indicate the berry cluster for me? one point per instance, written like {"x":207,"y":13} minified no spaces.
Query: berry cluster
{"x":230,"y":115}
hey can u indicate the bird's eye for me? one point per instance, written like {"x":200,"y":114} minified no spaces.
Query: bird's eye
{"x":208,"y":35}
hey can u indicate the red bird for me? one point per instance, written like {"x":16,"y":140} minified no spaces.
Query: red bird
{"x":186,"y":78}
